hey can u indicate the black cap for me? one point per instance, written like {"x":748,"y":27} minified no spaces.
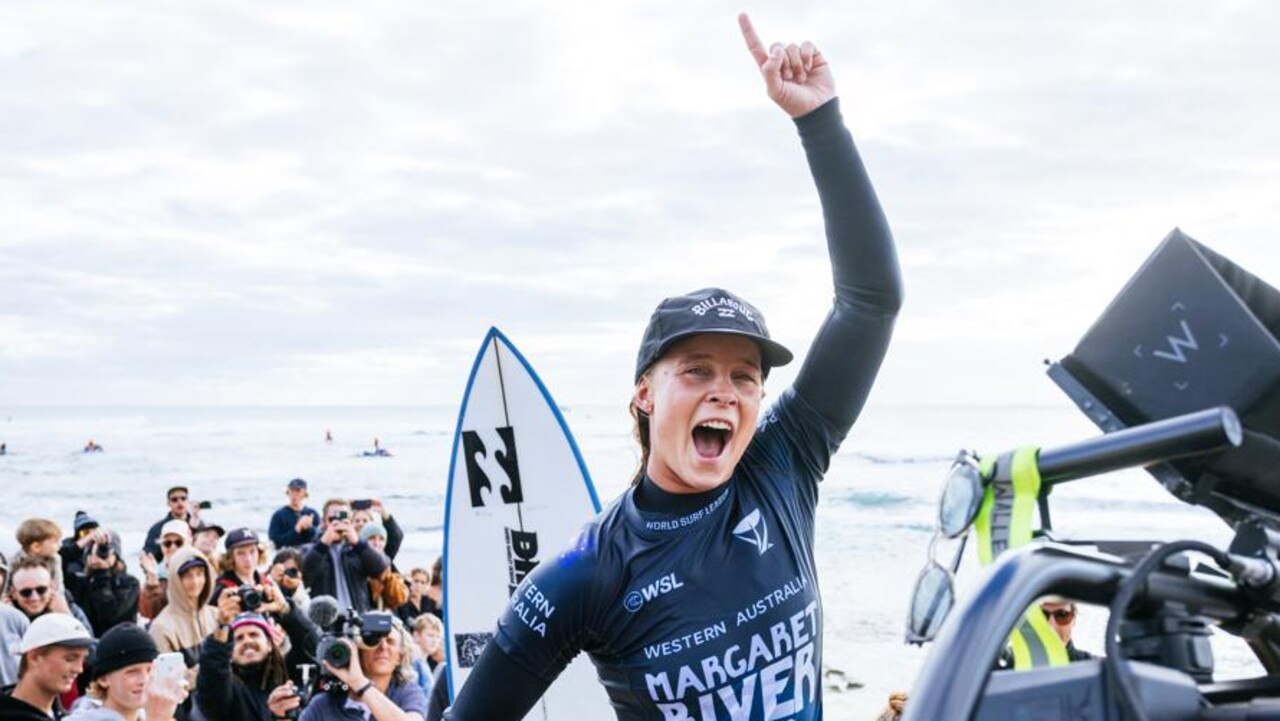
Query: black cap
{"x":83,"y":521}
{"x":710,"y":310}
{"x":298,"y":483}
{"x":124,"y":645}
{"x":240,"y":537}
{"x":204,"y":525}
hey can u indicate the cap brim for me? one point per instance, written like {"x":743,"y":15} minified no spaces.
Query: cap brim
{"x":69,"y":643}
{"x":772,"y":353}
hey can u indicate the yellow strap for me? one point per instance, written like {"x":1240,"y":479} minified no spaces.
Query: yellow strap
{"x":1004,"y":522}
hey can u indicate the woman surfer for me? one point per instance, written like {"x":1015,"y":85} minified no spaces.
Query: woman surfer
{"x":695,"y":593}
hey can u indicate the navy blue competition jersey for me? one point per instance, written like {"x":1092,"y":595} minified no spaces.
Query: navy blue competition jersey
{"x":710,"y":613}
{"x":705,"y":607}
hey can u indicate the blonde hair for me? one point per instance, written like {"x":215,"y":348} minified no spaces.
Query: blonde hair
{"x":427,"y":619}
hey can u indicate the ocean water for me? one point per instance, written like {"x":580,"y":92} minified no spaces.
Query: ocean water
{"x":875,"y":518}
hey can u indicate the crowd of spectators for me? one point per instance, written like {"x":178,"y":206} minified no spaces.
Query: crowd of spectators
{"x":215,"y":625}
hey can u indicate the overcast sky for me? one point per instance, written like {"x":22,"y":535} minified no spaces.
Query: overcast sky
{"x":279,"y":203}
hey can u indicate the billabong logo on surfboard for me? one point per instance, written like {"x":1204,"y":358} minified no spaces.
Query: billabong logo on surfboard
{"x":753,"y":530}
{"x":505,"y":506}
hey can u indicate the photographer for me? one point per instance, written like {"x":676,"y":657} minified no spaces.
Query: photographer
{"x":105,"y":590}
{"x":73,"y":549}
{"x":340,"y":564}
{"x":286,"y":572}
{"x":243,"y":670}
{"x":240,"y":564}
{"x":380,"y":681}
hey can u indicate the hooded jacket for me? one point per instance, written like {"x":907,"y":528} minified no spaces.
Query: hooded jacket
{"x":185,"y":621}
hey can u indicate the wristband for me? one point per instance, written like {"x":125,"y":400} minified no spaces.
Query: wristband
{"x":361,"y":691}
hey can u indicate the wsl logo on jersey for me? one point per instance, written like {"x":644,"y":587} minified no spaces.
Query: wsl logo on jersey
{"x":636,"y":599}
{"x":754,"y":530}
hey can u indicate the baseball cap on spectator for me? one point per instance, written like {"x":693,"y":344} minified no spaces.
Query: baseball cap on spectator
{"x":204,"y":525}
{"x":176,"y":527}
{"x":123,"y":645}
{"x":240,"y":537}
{"x":196,"y":559}
{"x":298,"y":483}
{"x":55,"y":629}
{"x":371,"y":529}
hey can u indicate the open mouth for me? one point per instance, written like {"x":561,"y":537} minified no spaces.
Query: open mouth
{"x":710,"y":438}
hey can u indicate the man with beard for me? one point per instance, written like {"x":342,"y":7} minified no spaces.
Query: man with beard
{"x":243,"y":670}
{"x":53,"y":651}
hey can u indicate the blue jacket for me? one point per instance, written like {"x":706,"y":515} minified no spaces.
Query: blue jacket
{"x":284,"y":521}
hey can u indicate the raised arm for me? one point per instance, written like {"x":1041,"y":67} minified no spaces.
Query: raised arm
{"x":842,"y":363}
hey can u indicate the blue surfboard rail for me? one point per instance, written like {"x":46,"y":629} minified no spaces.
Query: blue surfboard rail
{"x":491,"y":337}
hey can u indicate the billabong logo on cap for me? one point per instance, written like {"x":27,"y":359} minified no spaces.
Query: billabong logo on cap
{"x":725,"y":308}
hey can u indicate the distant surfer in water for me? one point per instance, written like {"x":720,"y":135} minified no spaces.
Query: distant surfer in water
{"x":92,"y":447}
{"x":378,"y":450}
{"x":695,"y":592}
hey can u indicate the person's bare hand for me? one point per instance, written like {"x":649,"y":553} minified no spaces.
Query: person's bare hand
{"x":58,"y":603}
{"x":276,"y":602}
{"x":334,"y":532}
{"x":164,"y":696}
{"x":149,"y":565}
{"x":796,"y":77}
{"x":228,"y":606}
{"x":351,"y":675}
{"x":304,"y":522}
{"x":283,"y":699}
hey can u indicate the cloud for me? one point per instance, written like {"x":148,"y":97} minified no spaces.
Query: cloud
{"x":226,"y":203}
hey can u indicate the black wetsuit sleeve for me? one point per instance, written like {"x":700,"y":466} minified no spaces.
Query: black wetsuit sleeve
{"x":520,"y":690}
{"x":846,"y":353}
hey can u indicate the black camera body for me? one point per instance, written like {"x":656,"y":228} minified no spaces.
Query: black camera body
{"x":102,"y":551}
{"x":353,"y":626}
{"x":250,"y":599}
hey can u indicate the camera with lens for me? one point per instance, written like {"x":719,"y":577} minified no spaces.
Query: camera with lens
{"x":250,"y":598}
{"x":102,"y":550}
{"x":366,"y":628}
{"x":340,"y":515}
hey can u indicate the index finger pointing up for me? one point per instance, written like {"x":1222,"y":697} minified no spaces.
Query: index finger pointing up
{"x":753,"y":41}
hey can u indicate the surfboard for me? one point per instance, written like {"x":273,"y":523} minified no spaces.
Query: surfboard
{"x":518,"y":493}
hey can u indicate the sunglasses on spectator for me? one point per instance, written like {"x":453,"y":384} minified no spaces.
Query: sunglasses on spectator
{"x":292,"y":572}
{"x":372,"y":640}
{"x":175,"y":499}
{"x":172,"y":544}
{"x":36,"y":591}
{"x":1062,"y":616}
